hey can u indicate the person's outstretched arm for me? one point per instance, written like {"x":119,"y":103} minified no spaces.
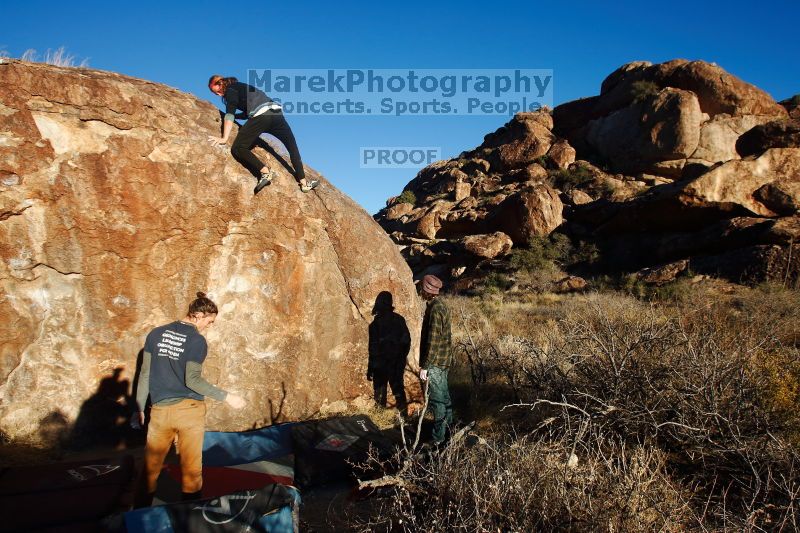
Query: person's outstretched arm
{"x":231,"y":97}
{"x":227,"y":127}
{"x":196,"y":382}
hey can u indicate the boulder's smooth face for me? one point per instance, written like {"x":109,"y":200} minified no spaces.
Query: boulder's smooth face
{"x":115,"y":210}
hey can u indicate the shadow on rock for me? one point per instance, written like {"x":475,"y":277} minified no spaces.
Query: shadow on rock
{"x":103,"y":417}
{"x":389,"y":344}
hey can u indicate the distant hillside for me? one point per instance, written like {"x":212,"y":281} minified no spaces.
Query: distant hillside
{"x":673,"y":168}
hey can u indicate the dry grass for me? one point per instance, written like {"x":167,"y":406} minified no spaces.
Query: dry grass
{"x":58,"y":57}
{"x":682,"y":415}
{"x":530,"y":484}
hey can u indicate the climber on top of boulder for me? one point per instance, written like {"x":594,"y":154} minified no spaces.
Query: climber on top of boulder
{"x":263,"y":116}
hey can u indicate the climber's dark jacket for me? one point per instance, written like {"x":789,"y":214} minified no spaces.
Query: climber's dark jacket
{"x":246,"y":98}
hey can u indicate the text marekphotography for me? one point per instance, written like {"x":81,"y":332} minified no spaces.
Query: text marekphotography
{"x":406,"y":92}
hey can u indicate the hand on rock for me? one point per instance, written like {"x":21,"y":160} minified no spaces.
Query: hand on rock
{"x":423,"y":374}
{"x":235,"y":401}
{"x":215,"y":141}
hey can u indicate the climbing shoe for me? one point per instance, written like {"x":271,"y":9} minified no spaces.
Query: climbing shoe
{"x":265,"y":180}
{"x":308,"y":185}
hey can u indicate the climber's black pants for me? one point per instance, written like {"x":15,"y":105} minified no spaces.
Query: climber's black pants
{"x":274,"y":123}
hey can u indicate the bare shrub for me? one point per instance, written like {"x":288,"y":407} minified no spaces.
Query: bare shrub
{"x":712,"y":390}
{"x":712,"y":382}
{"x":534,"y":484}
{"x":614,"y":414}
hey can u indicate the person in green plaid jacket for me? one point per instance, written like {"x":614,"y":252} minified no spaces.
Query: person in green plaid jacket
{"x":436,"y":356}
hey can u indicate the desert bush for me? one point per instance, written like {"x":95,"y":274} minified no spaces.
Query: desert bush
{"x":546,"y":253}
{"x":619,"y":414}
{"x":708,"y":389}
{"x":540,"y":252}
{"x":539,"y":281}
{"x":713,"y":384}
{"x":407,"y":197}
{"x":573,"y":177}
{"x":534,"y":484}
{"x":677,"y":290}
{"x":544,"y":160}
{"x":642,"y":90}
{"x":583,"y":252}
{"x":497,"y":282}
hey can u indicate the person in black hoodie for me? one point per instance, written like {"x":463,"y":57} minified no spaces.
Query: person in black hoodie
{"x":263,"y":115}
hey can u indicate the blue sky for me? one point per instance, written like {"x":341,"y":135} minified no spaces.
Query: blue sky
{"x":182,"y":43}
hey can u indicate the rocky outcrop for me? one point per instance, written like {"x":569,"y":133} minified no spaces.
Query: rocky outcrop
{"x":464,"y":205}
{"x":733,"y":185}
{"x":659,"y":275}
{"x":114,"y":211}
{"x":570,"y":284}
{"x":672,"y":168}
{"x":666,"y":119}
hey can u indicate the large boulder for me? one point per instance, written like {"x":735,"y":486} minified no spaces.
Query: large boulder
{"x":561,"y":154}
{"x":488,"y":246}
{"x":717,"y":91}
{"x":399,"y":210}
{"x":662,"y":128}
{"x":780,"y":196}
{"x":533,"y":212}
{"x":735,"y":188}
{"x":524,"y":139}
{"x":114,"y":211}
{"x":719,"y":137}
{"x":430,"y":222}
{"x":792,"y":106}
{"x":673,"y":119}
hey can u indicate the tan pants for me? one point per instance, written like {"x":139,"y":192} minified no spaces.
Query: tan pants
{"x":185,"y":419}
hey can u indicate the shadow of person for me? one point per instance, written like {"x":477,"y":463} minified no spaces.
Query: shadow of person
{"x":54,"y":429}
{"x":389,"y":344}
{"x":103,"y":417}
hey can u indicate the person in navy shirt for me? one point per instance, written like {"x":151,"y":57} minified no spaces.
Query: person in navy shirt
{"x":171,"y":376}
